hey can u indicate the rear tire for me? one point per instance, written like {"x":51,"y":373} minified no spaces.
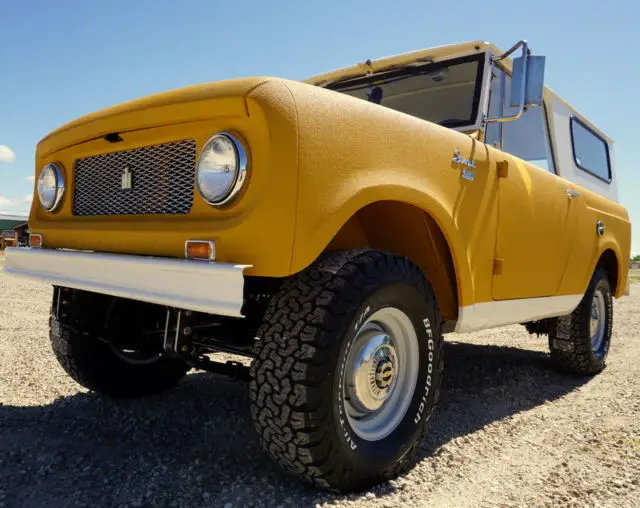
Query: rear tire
{"x":579,"y":342}
{"x":335,"y":343}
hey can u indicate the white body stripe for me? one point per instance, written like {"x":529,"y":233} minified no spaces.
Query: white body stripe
{"x":484,"y":315}
{"x":217,"y":288}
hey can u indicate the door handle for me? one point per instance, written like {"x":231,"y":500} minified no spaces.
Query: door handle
{"x":572,"y":194}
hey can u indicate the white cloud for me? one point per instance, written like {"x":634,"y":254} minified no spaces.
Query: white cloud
{"x":19,"y":204}
{"x":6,"y":154}
{"x":30,"y":178}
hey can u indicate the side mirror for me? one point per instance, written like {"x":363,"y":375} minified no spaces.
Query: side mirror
{"x":529,"y":80}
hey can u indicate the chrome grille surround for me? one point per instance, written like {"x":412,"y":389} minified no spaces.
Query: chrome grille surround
{"x":160,"y":181}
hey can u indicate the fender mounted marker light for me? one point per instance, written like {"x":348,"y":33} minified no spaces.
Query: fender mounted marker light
{"x":200,"y":249}
{"x":35,"y":240}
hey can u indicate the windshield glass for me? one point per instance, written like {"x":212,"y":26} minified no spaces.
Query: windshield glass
{"x":446,"y":93}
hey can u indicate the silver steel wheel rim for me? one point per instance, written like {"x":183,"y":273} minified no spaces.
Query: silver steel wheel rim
{"x":597,"y":321}
{"x":380,"y":374}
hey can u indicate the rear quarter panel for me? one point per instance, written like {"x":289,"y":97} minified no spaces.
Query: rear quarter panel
{"x":588,"y":247}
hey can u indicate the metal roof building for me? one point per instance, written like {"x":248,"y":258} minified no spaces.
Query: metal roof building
{"x":11,"y":221}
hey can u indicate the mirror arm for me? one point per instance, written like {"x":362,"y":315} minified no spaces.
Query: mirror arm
{"x":523,"y":84}
{"x":502,"y":119}
{"x":511,"y":50}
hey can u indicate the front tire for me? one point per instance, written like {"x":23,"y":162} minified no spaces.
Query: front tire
{"x":579,"y":342}
{"x":104,"y":367}
{"x":348,"y":369}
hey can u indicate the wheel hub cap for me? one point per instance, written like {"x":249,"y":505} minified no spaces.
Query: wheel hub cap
{"x":373,"y":372}
{"x":597,"y":321}
{"x":384,"y":374}
{"x":594,"y":317}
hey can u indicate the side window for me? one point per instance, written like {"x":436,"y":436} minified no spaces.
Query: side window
{"x":527,"y":137}
{"x":590,"y":151}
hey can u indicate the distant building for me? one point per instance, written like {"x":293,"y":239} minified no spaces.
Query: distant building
{"x":23,"y":232}
{"x":635,"y":265}
{"x":11,"y":221}
{"x":14,"y":231}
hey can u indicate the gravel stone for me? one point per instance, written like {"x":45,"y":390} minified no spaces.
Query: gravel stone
{"x":509,"y":431}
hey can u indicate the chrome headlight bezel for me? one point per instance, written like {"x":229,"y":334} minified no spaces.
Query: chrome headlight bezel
{"x":58,"y":176}
{"x":228,"y":194}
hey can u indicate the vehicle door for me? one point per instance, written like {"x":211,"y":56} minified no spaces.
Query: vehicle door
{"x":534,"y":220}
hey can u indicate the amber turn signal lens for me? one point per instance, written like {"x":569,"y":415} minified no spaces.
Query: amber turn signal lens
{"x":200,"y":249}
{"x":35,"y":240}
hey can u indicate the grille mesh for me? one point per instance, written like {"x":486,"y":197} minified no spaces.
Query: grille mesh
{"x":162,"y":178}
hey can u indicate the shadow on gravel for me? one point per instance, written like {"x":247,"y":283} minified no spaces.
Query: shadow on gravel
{"x":483,"y":384}
{"x":195,"y":446}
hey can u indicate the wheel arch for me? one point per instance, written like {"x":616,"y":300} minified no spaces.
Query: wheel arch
{"x":609,"y":261}
{"x":376,"y":225}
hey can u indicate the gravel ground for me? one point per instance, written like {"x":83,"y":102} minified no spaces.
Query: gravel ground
{"x":509,"y":430}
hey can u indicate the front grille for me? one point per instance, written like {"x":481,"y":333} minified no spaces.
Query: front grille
{"x":151,"y":180}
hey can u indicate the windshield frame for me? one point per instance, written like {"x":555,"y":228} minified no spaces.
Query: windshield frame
{"x":476,"y":120}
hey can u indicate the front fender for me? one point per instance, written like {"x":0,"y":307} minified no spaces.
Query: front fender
{"x":353,"y":153}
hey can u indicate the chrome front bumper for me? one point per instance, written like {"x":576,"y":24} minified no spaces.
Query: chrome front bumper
{"x":202,"y":286}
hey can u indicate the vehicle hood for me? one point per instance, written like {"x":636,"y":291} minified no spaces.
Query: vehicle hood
{"x":193,"y":103}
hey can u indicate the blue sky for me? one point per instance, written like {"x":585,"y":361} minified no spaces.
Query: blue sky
{"x":62,"y":59}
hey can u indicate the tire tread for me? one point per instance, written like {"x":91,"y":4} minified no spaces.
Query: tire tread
{"x":291,"y":363}
{"x":569,"y":339}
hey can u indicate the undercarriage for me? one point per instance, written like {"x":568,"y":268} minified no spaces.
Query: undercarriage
{"x":140,"y":332}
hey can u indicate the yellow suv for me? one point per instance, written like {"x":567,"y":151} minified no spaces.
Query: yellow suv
{"x":331,"y":231}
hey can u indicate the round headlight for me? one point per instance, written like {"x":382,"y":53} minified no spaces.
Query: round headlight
{"x":50,"y":187}
{"x":222,"y":169}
